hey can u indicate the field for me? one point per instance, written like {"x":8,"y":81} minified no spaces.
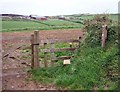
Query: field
{"x":114,"y":17}
{"x":38,"y":25}
{"x":20,"y":24}
{"x":89,"y":68}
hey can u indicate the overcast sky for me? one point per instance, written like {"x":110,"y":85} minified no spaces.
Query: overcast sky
{"x":58,"y":7}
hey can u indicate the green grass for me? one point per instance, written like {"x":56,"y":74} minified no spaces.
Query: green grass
{"x":20,"y":24}
{"x":114,"y":17}
{"x":81,"y":18}
{"x":57,"y":22}
{"x":8,"y":26}
{"x":84,"y":72}
{"x":85,"y":17}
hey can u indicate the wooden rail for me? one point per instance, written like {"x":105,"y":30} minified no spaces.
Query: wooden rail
{"x":58,"y":41}
{"x":59,"y":50}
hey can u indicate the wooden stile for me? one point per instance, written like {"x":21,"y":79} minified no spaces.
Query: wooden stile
{"x":35,"y":50}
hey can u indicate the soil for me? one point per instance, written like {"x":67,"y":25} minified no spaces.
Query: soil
{"x":16,"y":63}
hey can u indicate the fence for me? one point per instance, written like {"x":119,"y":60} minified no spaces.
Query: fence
{"x":35,"y":43}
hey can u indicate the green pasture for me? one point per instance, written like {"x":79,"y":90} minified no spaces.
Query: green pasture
{"x":20,"y":24}
{"x":37,"y":25}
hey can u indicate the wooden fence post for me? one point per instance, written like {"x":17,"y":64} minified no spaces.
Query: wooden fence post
{"x":52,"y":47}
{"x":32,"y":51}
{"x":104,"y":35}
{"x":36,"y":47}
{"x":45,"y":55}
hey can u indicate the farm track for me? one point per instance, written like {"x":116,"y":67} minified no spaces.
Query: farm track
{"x":15,"y":75}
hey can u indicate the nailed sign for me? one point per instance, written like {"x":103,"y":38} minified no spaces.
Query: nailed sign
{"x":66,"y":62}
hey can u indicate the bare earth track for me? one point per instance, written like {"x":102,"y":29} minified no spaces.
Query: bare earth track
{"x":15,"y":67}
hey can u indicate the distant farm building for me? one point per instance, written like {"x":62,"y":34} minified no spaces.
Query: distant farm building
{"x":39,"y":17}
{"x":62,"y":17}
